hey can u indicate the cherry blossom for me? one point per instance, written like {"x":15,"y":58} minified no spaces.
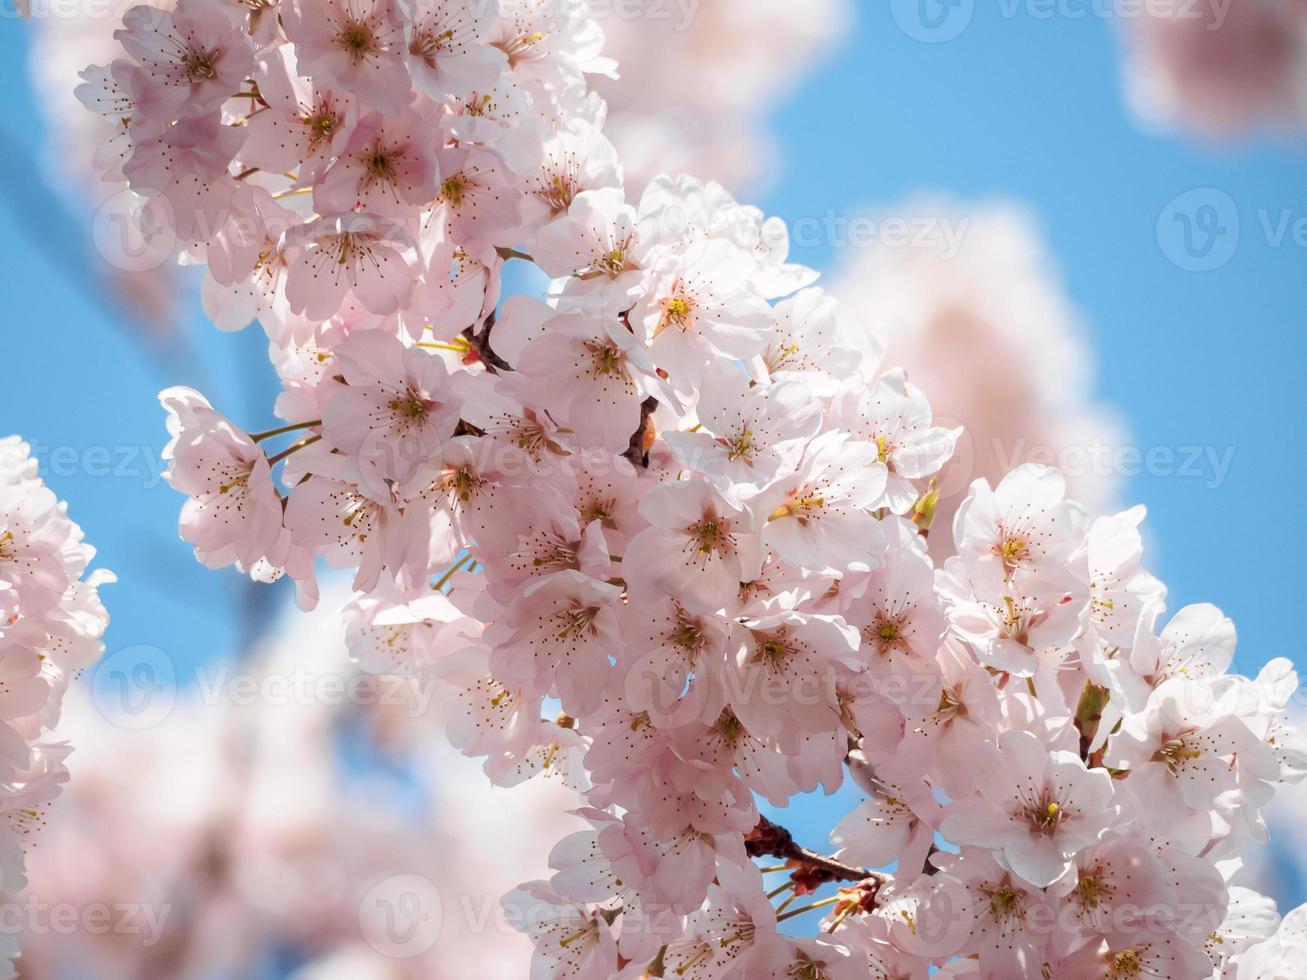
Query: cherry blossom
{"x":444,"y":54}
{"x":1280,"y":955}
{"x":302,"y":127}
{"x":394,"y":409}
{"x":699,"y":544}
{"x":1038,"y":808}
{"x":234,"y":511}
{"x":894,"y":419}
{"x":384,"y":169}
{"x":193,"y":57}
{"x":746,"y":436}
{"x":356,"y":255}
{"x":51,"y":628}
{"x":351,"y":46}
{"x":663,"y":526}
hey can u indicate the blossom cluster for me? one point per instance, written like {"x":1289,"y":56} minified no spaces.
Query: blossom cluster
{"x":686,"y":102}
{"x":661,"y":529}
{"x":699,"y":78}
{"x":51,"y":622}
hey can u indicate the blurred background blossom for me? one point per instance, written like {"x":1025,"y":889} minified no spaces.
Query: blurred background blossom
{"x":699,"y":79}
{"x":1225,"y":70}
{"x":284,"y":815}
{"x":60,"y":47}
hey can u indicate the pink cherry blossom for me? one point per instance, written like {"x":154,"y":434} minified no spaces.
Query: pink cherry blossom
{"x":556,"y":631}
{"x":385,"y":169}
{"x":394,"y":409}
{"x":700,"y":547}
{"x":598,"y":242}
{"x":51,"y":627}
{"x":702,"y":304}
{"x":819,"y":517}
{"x":746,"y":436}
{"x":594,"y":373}
{"x":894,"y":420}
{"x":198,"y":54}
{"x":302,"y":127}
{"x":477,"y":203}
{"x":352,"y":46}
{"x":234,"y":512}
{"x":355,"y":255}
{"x":442,"y":38}
{"x":1038,"y":808}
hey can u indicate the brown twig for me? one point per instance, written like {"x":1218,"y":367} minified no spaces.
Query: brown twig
{"x":636,"y":451}
{"x":480,"y":342}
{"x":810,"y":869}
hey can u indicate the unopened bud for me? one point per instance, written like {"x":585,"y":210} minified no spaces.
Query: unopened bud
{"x":858,"y":899}
{"x":923,"y":511}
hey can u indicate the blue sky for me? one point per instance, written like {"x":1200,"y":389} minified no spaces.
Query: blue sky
{"x":1016,"y":107}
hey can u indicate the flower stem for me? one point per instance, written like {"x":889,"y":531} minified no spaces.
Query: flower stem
{"x":780,"y":890}
{"x":444,"y":579}
{"x":260,"y":436}
{"x":808,"y":908}
{"x":274,"y":460}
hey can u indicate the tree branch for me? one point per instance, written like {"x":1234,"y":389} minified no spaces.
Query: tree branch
{"x":480,"y":343}
{"x":636,"y":451}
{"x":810,"y":869}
